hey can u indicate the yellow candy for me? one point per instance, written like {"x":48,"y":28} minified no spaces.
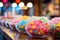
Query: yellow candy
{"x":33,"y":27}
{"x":30,"y":31}
{"x":25,"y":17}
{"x":58,"y":24}
{"x":32,"y":22}
{"x":41,"y":31}
{"x":21,"y":27}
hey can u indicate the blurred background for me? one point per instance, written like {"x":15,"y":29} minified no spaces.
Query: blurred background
{"x":49,"y":8}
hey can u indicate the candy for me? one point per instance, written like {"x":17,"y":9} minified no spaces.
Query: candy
{"x":25,"y":17}
{"x":55,"y":25}
{"x":20,"y":27}
{"x":39,"y":28}
{"x":33,"y":27}
{"x":54,"y":21}
{"x":14,"y":22}
{"x":44,"y":19}
{"x":30,"y":31}
{"x":58,"y":24}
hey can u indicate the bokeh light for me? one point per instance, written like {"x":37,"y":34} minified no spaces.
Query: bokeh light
{"x":29,"y":4}
{"x":21,"y":4}
{"x":1,"y":4}
{"x":14,"y":5}
{"x":17,"y":1}
{"x":5,"y":1}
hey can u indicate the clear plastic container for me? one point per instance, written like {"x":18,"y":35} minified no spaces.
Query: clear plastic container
{"x":55,"y":26}
{"x":13,"y":23}
{"x":37,"y":29}
{"x":20,"y":27}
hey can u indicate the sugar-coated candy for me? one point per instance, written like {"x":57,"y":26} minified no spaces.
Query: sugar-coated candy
{"x":21,"y":25}
{"x":37,"y":27}
{"x":54,"y":21}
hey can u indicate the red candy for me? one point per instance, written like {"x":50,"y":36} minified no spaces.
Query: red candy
{"x":37,"y":27}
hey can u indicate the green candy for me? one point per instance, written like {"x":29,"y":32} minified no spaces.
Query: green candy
{"x":44,"y":19}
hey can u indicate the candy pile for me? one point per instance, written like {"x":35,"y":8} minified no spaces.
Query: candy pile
{"x":55,"y":25}
{"x":21,"y":26}
{"x":33,"y":26}
{"x":13,"y":23}
{"x":37,"y":28}
{"x":44,"y":19}
{"x":54,"y":21}
{"x":25,"y":17}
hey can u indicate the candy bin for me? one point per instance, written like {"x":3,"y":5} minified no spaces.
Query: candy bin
{"x":57,"y":30}
{"x":13,"y":23}
{"x":3,"y":22}
{"x":44,"y":19}
{"x":37,"y":29}
{"x":1,"y":17}
{"x":55,"y":27}
{"x":20,"y":27}
{"x":7,"y":22}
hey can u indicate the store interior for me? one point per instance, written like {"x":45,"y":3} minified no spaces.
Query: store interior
{"x":29,"y":20}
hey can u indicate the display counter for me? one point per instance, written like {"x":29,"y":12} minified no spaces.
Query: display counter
{"x":4,"y":36}
{"x":13,"y":35}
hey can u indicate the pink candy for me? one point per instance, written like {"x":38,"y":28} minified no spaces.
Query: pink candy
{"x":15,"y":21}
{"x":54,"y":20}
{"x":37,"y":26}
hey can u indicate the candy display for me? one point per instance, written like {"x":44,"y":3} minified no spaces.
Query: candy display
{"x":54,"y":21}
{"x":57,"y":30}
{"x":55,"y":26}
{"x":7,"y":22}
{"x":37,"y":29}
{"x":34,"y":26}
{"x":2,"y":22}
{"x":1,"y":17}
{"x":44,"y":19}
{"x":58,"y":27}
{"x":13,"y":23}
{"x":20,"y":27}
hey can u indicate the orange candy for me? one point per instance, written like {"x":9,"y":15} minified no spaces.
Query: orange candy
{"x":25,"y":18}
{"x":30,"y":31}
{"x":32,"y":22}
{"x":33,"y":27}
{"x":41,"y":31}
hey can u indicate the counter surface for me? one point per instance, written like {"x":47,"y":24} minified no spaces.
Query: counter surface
{"x":14,"y":36}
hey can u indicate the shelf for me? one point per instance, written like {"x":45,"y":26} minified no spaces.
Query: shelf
{"x":13,"y":35}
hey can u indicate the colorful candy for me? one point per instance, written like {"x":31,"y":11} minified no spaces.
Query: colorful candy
{"x":44,"y":19}
{"x":54,"y":21}
{"x":14,"y":22}
{"x":7,"y":22}
{"x":25,"y":17}
{"x":55,"y":24}
{"x":21,"y":26}
{"x":35,"y":28}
